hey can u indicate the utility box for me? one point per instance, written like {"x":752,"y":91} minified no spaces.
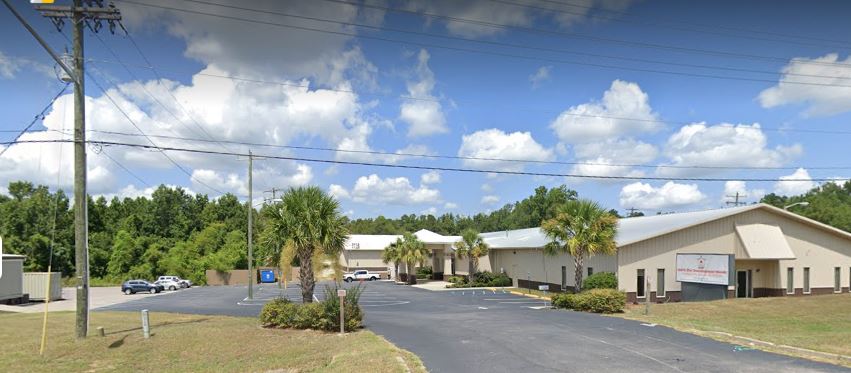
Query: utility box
{"x":11,"y":282}
{"x":35,"y":284}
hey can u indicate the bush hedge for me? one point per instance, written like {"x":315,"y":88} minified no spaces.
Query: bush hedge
{"x":325,"y":315}
{"x":480,"y":280}
{"x":595,"y":300}
{"x":600,"y":280}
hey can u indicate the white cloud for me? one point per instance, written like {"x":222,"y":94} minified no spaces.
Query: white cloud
{"x":799,"y":182}
{"x":431,"y":177}
{"x":9,"y":66}
{"x":429,"y":211}
{"x":408,"y":152}
{"x":133,"y":192}
{"x":392,"y":191}
{"x":490,"y":200}
{"x":724,"y":145}
{"x":236,"y":183}
{"x":597,"y":121}
{"x":486,"y":188}
{"x":670,"y":195}
{"x":736,"y":186}
{"x":338,"y":192}
{"x":540,"y":76}
{"x":424,"y":117}
{"x":822,"y":99}
{"x":450,"y":206}
{"x":612,"y":157}
{"x":496,"y":144}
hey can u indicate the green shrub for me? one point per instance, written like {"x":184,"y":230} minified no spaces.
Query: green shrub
{"x":501,"y":280}
{"x":483,"y":278}
{"x":424,"y":271}
{"x":325,"y":315}
{"x":600,"y":280}
{"x":595,"y":300}
{"x":455,"y":279}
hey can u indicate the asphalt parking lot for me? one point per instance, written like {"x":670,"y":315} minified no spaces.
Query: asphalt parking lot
{"x":493,"y":331}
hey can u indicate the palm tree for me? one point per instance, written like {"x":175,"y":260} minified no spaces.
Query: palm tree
{"x":391,"y":254}
{"x":471,"y":246}
{"x":308,"y":222}
{"x":411,"y":251}
{"x":581,"y":229}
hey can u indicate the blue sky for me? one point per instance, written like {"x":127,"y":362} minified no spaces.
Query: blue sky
{"x":646,"y":104}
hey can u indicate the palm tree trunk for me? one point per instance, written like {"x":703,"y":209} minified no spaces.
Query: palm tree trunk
{"x":470,"y":269}
{"x":305,"y":275}
{"x":412,"y":278}
{"x":577,"y":273}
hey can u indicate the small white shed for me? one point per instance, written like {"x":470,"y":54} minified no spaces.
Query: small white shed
{"x":12,"y":278}
{"x":35,"y":284}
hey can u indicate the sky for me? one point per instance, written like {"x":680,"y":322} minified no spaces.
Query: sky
{"x":653,"y":95}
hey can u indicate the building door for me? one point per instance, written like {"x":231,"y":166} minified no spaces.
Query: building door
{"x":563,"y":277}
{"x":743,"y":284}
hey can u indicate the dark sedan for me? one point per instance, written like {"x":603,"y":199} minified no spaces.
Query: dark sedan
{"x":135,"y":286}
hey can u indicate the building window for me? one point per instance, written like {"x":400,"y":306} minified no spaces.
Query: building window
{"x":790,"y":280}
{"x":564,"y":277}
{"x":806,"y":280}
{"x":639,"y":290}
{"x":837,"y":280}
{"x":590,"y":271}
{"x":660,"y":282}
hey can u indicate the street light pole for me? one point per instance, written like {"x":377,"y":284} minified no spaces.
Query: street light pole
{"x":804,"y":203}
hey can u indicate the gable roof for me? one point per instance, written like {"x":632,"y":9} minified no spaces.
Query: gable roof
{"x":381,"y":241}
{"x":635,"y":229}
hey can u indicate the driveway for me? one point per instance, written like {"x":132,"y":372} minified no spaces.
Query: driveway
{"x":98,"y":297}
{"x":492,"y":331}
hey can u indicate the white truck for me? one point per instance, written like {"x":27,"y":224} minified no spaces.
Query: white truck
{"x":361,"y":275}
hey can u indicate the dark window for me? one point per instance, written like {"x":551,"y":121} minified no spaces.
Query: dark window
{"x":660,"y":282}
{"x":807,"y":280}
{"x":590,"y":271}
{"x":639,"y":292}
{"x":564,"y":277}
{"x":790,"y":280}
{"x":837,"y":279}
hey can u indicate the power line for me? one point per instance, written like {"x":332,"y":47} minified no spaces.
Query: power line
{"x":574,"y":35}
{"x":127,"y":170}
{"x":692,"y":23}
{"x":40,"y":115}
{"x":511,"y":45}
{"x":509,"y":55}
{"x":432,"y":99}
{"x":438,"y":156}
{"x":653,"y":24}
{"x":430,"y":168}
{"x":181,"y":168}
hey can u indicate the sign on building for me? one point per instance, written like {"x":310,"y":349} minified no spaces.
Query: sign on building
{"x":704,"y":268}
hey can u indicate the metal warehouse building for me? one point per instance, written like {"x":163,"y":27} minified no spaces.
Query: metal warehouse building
{"x":750,"y":251}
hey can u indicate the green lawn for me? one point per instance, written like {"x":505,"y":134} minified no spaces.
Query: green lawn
{"x":821,"y":323}
{"x":191,"y":343}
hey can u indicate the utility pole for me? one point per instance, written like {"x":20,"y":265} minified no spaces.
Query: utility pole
{"x":274,"y":192}
{"x":90,"y":16}
{"x":251,"y":276}
{"x":736,"y":202}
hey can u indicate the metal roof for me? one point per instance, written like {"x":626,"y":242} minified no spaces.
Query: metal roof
{"x":763,"y":241}
{"x":632,"y":230}
{"x":381,"y":241}
{"x":14,"y":256}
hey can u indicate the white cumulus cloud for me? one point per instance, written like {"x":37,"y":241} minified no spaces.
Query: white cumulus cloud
{"x":826,"y":97}
{"x":723,"y":145}
{"x":496,"y":144}
{"x":490,"y":200}
{"x":375,"y":190}
{"x":745,"y":195}
{"x":424,"y":117}
{"x":799,"y":182}
{"x":670,"y":195}
{"x":540,"y":76}
{"x":431,"y":177}
{"x":624,"y":110}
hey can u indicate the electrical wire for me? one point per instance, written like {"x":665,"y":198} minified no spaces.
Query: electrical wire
{"x":438,"y":156}
{"x":40,"y":115}
{"x":493,"y":53}
{"x":512,"y":45}
{"x":430,"y":168}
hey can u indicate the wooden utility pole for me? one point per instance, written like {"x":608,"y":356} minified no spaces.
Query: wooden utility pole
{"x":735,"y":202}
{"x":251,"y":276}
{"x":90,"y":16}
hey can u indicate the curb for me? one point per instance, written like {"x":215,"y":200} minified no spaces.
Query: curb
{"x":529,"y":295}
{"x":797,"y":350}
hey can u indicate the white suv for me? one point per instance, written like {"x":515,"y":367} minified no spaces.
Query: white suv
{"x":183,"y":283}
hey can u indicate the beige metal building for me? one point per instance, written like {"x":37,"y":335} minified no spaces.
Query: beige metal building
{"x":12,"y":278}
{"x":752,"y":251}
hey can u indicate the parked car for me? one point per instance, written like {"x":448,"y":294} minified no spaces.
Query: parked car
{"x":361,"y":274}
{"x":169,"y":284}
{"x":135,"y":286}
{"x":183,"y":283}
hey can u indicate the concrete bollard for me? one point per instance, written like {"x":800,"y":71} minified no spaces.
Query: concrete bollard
{"x":146,"y":325}
{"x":101,"y":332}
